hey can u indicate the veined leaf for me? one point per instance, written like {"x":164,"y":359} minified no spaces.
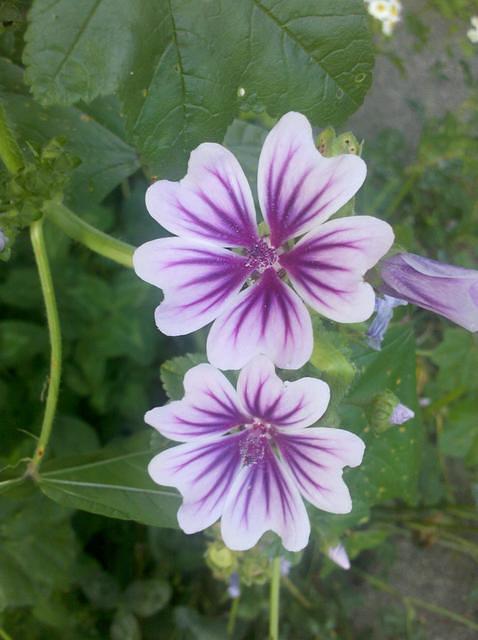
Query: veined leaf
{"x":184,"y":69}
{"x":113,"y":482}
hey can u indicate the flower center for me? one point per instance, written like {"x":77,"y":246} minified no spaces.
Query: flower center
{"x":253,"y":446}
{"x":261,"y":256}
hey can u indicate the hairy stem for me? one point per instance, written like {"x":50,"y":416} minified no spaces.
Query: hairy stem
{"x":86,"y":234}
{"x":274,"y":600}
{"x":9,"y":150}
{"x":39,"y":249}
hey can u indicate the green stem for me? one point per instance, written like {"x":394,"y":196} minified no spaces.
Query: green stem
{"x":402,"y":193}
{"x":294,"y":591}
{"x":274,"y":600}
{"x":39,"y":249}
{"x":231,"y":623}
{"x":9,"y":150}
{"x":4,"y":635}
{"x":93,"y":238}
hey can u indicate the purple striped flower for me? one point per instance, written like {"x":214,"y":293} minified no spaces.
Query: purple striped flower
{"x":248,"y":457}
{"x":221,"y":269}
{"x":442,"y":288}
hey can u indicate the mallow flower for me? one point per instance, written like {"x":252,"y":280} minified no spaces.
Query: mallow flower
{"x":442,"y":288}
{"x":250,"y":456}
{"x":220,"y":268}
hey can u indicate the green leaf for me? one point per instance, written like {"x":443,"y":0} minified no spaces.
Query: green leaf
{"x":113,"y":482}
{"x":147,"y":597}
{"x":37,"y":549}
{"x":125,"y":626}
{"x":105,"y":158}
{"x":457,"y":358}
{"x":459,"y":433}
{"x":184,"y":69}
{"x":20,"y":341}
{"x":76,"y":50}
{"x":173,"y":371}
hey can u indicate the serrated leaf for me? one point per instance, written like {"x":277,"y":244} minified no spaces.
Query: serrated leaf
{"x":173,"y":371}
{"x":113,"y":482}
{"x":185,"y":69}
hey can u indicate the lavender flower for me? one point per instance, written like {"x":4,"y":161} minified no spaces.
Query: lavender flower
{"x":245,"y":291}
{"x":248,"y":455}
{"x":234,"y":588}
{"x":401,"y":414}
{"x":384,"y":308}
{"x":3,"y":240}
{"x":442,"y":288}
{"x":339,"y":555}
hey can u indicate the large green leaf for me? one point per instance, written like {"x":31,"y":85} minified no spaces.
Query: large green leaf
{"x":184,"y":69}
{"x":113,"y":482}
{"x":105,"y":158}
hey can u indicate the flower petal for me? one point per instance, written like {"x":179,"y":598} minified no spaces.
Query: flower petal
{"x":298,"y":187}
{"x":197,"y":278}
{"x":210,"y":407}
{"x":315,"y":458}
{"x":266,"y":318}
{"x":212,"y":202}
{"x":284,"y":404}
{"x":327,"y":265}
{"x":262,"y":498}
{"x":203,"y":472}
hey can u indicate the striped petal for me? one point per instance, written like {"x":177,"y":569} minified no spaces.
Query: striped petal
{"x":267,"y":318}
{"x":203,"y":472}
{"x":213,"y":202}
{"x":298,"y":187}
{"x":198,"y":281}
{"x":289,"y":405}
{"x":264,"y":497}
{"x":315,"y":459}
{"x":327,"y":266}
{"x":210,"y":407}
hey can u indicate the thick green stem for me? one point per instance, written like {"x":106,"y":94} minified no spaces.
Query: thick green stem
{"x":9,"y":150}
{"x":39,"y":249}
{"x":274,"y":600}
{"x":94,"y":239}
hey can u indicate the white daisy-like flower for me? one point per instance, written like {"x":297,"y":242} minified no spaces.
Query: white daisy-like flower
{"x":473,"y":32}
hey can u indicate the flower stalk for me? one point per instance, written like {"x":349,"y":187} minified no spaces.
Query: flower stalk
{"x":53,"y":320}
{"x":79,"y":230}
{"x":274,"y":602}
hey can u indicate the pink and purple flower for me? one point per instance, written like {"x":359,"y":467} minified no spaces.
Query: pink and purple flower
{"x":222,"y":269}
{"x":250,"y":456}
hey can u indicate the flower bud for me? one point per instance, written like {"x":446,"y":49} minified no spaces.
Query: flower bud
{"x":442,"y":288}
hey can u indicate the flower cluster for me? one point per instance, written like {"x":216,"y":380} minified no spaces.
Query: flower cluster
{"x":473,"y":32}
{"x":250,"y":457}
{"x":387,"y":11}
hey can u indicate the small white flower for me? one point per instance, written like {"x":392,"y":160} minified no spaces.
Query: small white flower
{"x":380,"y":9}
{"x":473,"y":32}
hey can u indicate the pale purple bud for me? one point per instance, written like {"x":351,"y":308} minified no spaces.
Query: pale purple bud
{"x":339,"y":555}
{"x":442,"y":288}
{"x":285,"y":566}
{"x":3,"y":241}
{"x":424,"y":402}
{"x":234,"y":588}
{"x":384,"y":309}
{"x":401,"y":414}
